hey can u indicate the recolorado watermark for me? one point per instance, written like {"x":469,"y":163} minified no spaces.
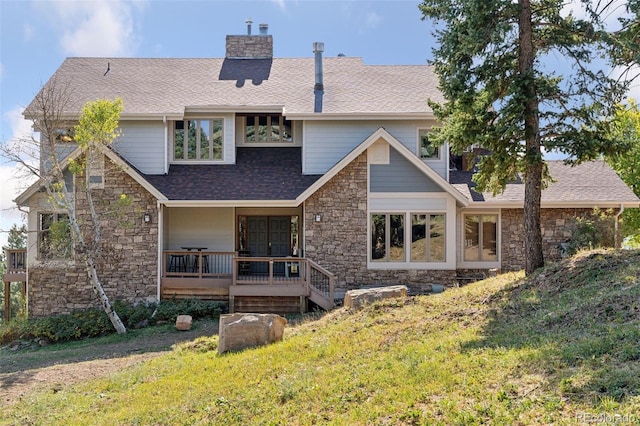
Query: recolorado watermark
{"x":607,"y":418}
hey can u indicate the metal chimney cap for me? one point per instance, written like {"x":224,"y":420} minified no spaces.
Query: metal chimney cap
{"x":318,"y":47}
{"x":264,"y":28}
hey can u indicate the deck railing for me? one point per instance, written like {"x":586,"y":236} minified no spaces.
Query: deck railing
{"x":269,"y":270}
{"x":197,"y":264}
{"x":16,"y":261}
{"x":322,"y":281}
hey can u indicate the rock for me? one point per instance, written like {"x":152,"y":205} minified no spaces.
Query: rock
{"x":357,"y":299}
{"x":241,"y":331}
{"x":183,"y":322}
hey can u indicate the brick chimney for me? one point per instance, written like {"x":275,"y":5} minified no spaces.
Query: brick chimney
{"x":250,"y":46}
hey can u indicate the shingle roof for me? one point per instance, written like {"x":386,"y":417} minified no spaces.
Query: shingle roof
{"x":168,"y":85}
{"x":591,"y":182}
{"x":259,"y":174}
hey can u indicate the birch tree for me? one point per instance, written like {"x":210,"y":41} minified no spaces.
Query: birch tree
{"x":97,"y":127}
{"x":497,"y":66}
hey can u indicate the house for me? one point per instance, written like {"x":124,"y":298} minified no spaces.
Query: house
{"x":276,"y":183}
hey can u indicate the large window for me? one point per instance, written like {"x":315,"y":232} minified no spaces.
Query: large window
{"x":54,"y":236}
{"x":480,"y":238}
{"x":387,"y":237}
{"x":267,"y":128}
{"x":198,"y":140}
{"x":428,"y":243}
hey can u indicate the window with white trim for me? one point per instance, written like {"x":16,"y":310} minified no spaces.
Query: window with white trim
{"x":481,"y":238}
{"x":198,"y":140}
{"x":427,"y":237}
{"x":426,"y":149}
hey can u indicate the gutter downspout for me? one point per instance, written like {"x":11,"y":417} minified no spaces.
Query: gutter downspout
{"x":166,"y":144}
{"x":616,"y":236}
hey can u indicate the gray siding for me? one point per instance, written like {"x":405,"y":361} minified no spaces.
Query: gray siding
{"x":142,"y":144}
{"x":400,"y":176}
{"x":327,"y":142}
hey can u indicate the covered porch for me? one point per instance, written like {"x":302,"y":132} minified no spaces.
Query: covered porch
{"x":248,"y":256}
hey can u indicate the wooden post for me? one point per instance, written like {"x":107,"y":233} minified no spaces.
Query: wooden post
{"x":7,"y":301}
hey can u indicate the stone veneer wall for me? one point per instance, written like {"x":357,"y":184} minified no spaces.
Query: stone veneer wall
{"x":558,"y":226}
{"x":130,"y":274}
{"x":339,"y":241}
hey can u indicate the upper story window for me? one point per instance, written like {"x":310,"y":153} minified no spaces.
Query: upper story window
{"x":267,"y":128}
{"x":426,"y":149}
{"x":198,"y":140}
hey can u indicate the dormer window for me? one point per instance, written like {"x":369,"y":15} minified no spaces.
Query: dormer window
{"x":267,"y":128}
{"x":198,"y":140}
{"x":426,"y":149}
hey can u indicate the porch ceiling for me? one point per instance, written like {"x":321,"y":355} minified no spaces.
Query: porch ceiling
{"x":259,"y":174}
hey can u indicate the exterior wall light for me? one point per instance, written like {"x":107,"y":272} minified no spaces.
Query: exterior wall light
{"x":147,"y":218}
{"x":317,"y":217}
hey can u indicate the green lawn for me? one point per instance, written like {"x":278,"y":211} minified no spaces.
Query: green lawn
{"x":562,"y":347}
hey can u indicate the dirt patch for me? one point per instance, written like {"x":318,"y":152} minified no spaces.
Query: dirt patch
{"x":54,"y":367}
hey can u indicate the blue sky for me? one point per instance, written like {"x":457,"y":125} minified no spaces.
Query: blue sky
{"x":36,"y":36}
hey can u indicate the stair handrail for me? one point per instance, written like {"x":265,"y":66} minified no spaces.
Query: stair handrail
{"x":329,"y":293}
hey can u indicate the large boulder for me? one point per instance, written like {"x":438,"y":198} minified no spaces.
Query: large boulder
{"x":356,"y":299}
{"x":241,"y":331}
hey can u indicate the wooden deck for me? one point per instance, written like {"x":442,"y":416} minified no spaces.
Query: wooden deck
{"x":283,"y":284}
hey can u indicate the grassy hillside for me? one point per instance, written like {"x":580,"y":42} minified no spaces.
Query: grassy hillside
{"x":561,"y":347}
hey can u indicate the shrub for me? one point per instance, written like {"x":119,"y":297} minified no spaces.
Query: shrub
{"x":593,"y":231}
{"x":94,"y":322}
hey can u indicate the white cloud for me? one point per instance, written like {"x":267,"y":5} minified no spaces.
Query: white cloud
{"x":281,"y":4}
{"x":372,"y":20}
{"x":95,"y":28}
{"x":28,"y":32}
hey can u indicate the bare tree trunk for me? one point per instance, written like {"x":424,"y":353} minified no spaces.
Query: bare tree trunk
{"x":533,"y":172}
{"x":104,"y":300}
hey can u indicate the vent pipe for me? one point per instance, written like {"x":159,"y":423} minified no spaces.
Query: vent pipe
{"x":248,"y":22}
{"x":318,"y":88}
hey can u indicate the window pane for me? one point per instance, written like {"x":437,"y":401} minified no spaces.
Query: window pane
{"x":489,"y":237}
{"x":437,"y":243}
{"x":262,"y":128}
{"x":178,"y":141}
{"x":275,"y":128}
{"x":471,"y":238}
{"x":286,"y":131}
{"x":250,"y":135}
{"x":192,"y":140}
{"x":217,"y":139}
{"x":205,"y":138}
{"x":396,"y":242}
{"x":418,"y":237}
{"x":378,"y":237}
